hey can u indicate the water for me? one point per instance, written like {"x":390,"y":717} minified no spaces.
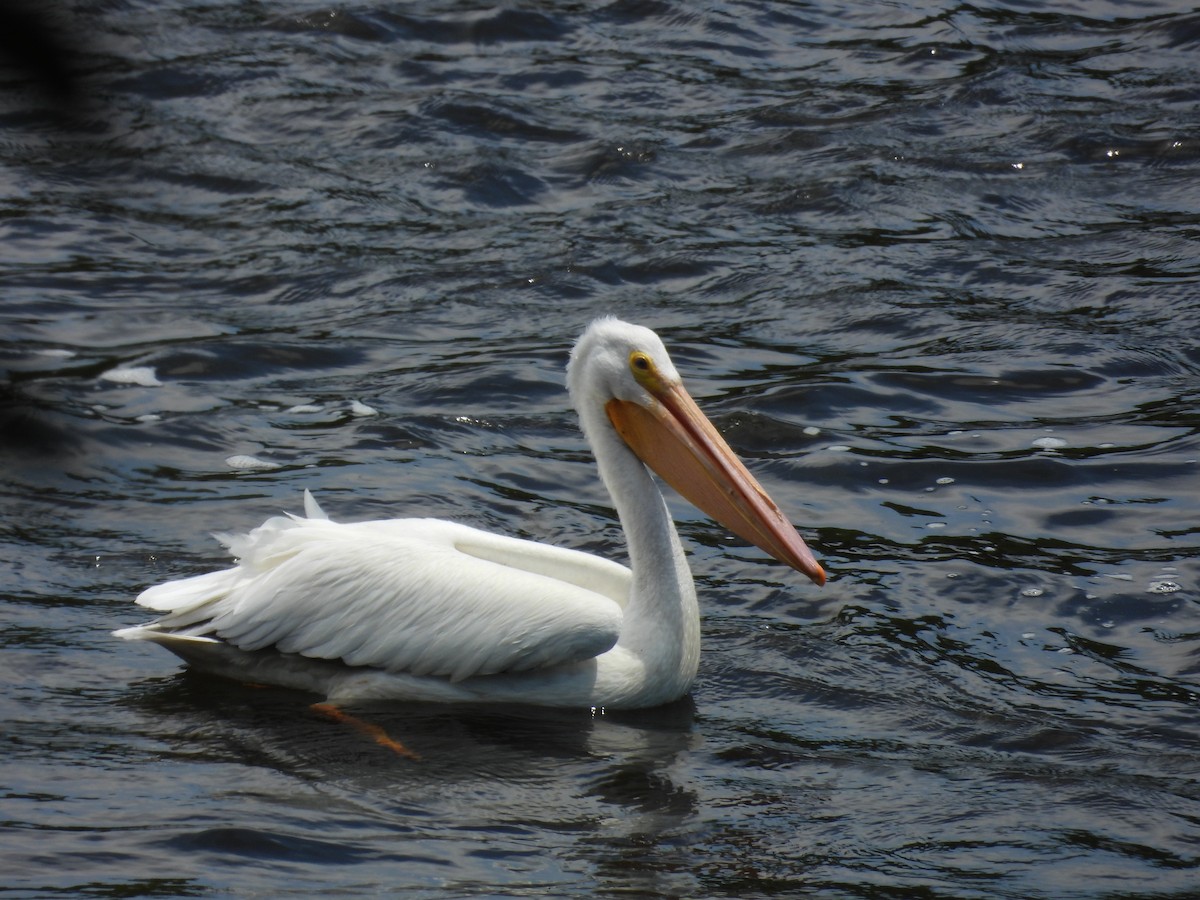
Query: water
{"x":932,"y":271}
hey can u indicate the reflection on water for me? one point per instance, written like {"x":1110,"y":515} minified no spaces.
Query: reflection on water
{"x":500,"y":780}
{"x":934,"y":277}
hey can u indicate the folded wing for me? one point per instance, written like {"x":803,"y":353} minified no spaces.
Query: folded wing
{"x":422,"y":596}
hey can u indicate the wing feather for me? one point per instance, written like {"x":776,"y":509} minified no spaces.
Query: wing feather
{"x":414,"y":595}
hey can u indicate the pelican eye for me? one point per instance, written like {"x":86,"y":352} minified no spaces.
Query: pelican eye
{"x":645,"y":371}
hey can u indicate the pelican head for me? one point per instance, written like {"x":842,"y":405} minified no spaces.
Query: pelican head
{"x":625,"y":370}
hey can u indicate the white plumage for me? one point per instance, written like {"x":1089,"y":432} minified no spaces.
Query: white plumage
{"x":425,"y":609}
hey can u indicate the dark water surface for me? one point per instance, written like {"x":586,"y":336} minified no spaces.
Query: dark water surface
{"x":933,"y":271}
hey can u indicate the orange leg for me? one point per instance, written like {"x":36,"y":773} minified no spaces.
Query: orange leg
{"x":374,"y":731}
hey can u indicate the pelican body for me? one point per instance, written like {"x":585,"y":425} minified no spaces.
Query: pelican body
{"x":424,"y":609}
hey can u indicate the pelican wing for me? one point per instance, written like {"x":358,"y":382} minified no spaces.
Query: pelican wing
{"x":422,"y":596}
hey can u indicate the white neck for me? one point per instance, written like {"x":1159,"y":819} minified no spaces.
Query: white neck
{"x":662,"y":619}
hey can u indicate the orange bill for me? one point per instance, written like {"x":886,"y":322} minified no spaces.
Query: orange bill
{"x":675,"y":439}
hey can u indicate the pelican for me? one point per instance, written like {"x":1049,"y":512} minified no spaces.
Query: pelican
{"x":430,"y":610}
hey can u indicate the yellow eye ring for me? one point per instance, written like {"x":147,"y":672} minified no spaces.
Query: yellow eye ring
{"x":645,"y":372}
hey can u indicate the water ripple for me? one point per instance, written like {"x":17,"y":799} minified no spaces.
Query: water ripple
{"x":932,"y":272}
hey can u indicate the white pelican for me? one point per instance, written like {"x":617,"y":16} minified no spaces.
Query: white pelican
{"x":423,"y":609}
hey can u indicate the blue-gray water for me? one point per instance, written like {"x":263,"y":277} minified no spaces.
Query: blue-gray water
{"x":933,"y":270}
